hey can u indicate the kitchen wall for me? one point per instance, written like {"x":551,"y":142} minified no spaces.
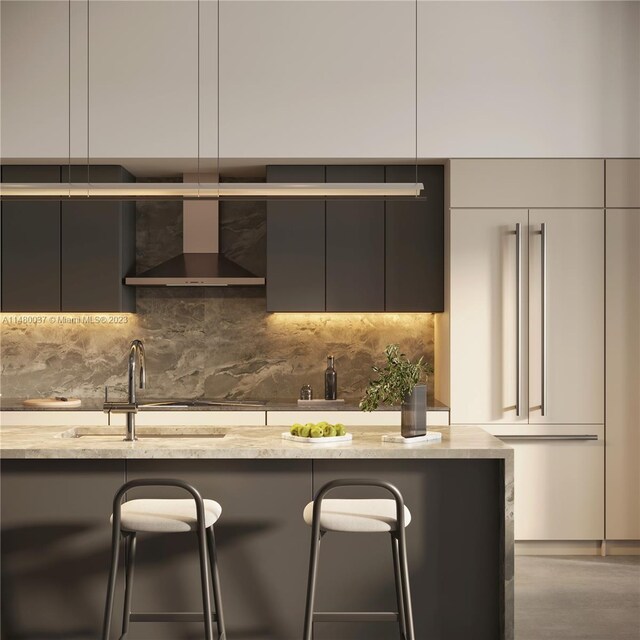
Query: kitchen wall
{"x":216,"y":342}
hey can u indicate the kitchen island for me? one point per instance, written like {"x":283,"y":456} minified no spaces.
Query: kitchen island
{"x":58,"y":485}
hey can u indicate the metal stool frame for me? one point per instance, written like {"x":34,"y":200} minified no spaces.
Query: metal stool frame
{"x":404,"y":615}
{"x":207,"y":553}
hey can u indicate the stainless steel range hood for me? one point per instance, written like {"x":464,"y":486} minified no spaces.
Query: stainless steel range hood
{"x":200,"y":264}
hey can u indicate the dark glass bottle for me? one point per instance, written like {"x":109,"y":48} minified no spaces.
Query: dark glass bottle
{"x":330,"y":380}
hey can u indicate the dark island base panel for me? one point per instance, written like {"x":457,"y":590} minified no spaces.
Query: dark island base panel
{"x":55,"y":551}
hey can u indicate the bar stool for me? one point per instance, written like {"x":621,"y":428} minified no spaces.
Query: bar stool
{"x":164,"y":516}
{"x":360,"y":516}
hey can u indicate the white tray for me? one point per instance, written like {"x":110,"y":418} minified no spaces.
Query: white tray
{"x":346,"y":438}
{"x":431,"y":436}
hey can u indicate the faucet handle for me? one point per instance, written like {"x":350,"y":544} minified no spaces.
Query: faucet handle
{"x":120,"y":407}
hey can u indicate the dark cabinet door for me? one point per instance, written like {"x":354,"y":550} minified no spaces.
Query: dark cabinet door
{"x":414,"y":232}
{"x":295,"y":245}
{"x":98,"y":247}
{"x":355,"y":245}
{"x":31,"y":245}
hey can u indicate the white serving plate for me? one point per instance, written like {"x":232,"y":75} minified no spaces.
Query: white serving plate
{"x":396,"y":438}
{"x":346,"y":438}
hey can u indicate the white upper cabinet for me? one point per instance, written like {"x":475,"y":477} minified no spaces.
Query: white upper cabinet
{"x":529,"y":79}
{"x":34,"y":97}
{"x":318,"y":79}
{"x":142,"y":99}
{"x":144,"y":79}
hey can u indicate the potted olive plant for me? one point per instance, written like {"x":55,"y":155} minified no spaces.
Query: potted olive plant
{"x":401,"y":382}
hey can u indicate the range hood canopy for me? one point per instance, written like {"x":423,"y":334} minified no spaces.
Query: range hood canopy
{"x":200,"y":264}
{"x":196,"y":269}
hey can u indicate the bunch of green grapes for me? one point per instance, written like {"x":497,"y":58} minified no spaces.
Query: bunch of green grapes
{"x":318,"y":430}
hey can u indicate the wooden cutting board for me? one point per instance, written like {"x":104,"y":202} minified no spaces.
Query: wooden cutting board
{"x":52,"y":403}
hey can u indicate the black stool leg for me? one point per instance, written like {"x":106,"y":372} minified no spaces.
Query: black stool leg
{"x":316,"y":536}
{"x":398,"y":580}
{"x":406,"y":591}
{"x":130,"y":558}
{"x":204,"y":579}
{"x":111,"y":586}
{"x":215,"y":580}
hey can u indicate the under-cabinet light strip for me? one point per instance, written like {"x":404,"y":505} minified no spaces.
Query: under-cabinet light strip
{"x":209,"y":191}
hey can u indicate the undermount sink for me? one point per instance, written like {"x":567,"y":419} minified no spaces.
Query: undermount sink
{"x":161,"y":433}
{"x":186,"y":404}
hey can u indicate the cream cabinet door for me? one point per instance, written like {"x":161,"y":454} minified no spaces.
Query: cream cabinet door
{"x":559,"y":485}
{"x":53,"y":418}
{"x":527,"y":182}
{"x":348,"y":418}
{"x":623,"y":183}
{"x":623,"y":373}
{"x":205,"y":417}
{"x":566,"y":316}
{"x":488,"y":362}
{"x":351,"y":418}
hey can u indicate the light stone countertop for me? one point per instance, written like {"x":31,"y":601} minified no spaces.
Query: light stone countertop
{"x":47,"y":442}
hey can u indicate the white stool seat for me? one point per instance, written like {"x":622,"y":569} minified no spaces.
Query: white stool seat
{"x":166,"y":516}
{"x":361,"y":515}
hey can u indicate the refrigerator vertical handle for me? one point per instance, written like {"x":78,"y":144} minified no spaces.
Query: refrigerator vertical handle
{"x":543,"y":325}
{"x":518,"y":319}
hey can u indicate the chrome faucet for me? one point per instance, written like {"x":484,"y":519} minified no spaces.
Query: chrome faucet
{"x":136,"y":355}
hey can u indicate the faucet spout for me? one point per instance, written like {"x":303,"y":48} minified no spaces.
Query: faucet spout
{"x":136,"y":357}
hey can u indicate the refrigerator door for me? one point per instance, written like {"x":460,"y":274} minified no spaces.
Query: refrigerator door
{"x":566,"y":316}
{"x":489,"y":316}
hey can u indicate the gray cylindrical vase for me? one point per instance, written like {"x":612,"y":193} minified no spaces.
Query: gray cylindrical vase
{"x":414,"y":413}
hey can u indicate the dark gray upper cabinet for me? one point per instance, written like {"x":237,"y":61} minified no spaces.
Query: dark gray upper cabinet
{"x":295,"y":245}
{"x":67,"y":255}
{"x":364,"y":254}
{"x":355,"y":245}
{"x":98,"y":246}
{"x":414,"y":233}
{"x":30,"y":245}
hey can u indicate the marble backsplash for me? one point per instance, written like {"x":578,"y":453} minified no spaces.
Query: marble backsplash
{"x":213,"y":342}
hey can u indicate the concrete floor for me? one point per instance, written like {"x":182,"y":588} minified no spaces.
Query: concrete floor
{"x":577,"y":598}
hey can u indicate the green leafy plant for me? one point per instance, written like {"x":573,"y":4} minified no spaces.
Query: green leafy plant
{"x":395,"y":381}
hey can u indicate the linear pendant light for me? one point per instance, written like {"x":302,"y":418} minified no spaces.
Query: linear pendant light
{"x":207,"y":191}
{"x":203,"y":191}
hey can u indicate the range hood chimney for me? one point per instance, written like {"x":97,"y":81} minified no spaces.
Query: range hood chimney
{"x":200,"y":264}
